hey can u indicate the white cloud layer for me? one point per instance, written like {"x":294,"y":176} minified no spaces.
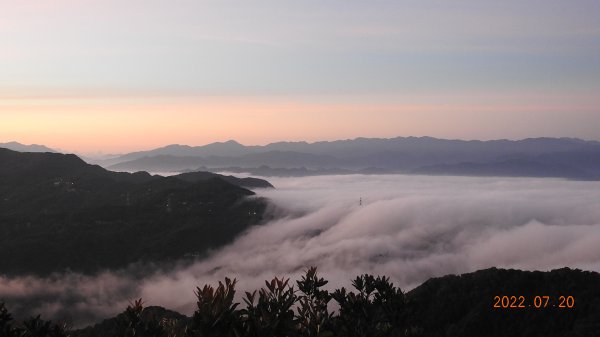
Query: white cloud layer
{"x":410,"y":228}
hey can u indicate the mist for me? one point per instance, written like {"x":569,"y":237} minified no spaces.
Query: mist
{"x":409,"y":228}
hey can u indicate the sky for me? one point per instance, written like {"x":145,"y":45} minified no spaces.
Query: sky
{"x":113,"y":76}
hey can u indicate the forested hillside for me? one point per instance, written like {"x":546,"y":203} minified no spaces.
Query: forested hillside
{"x":57,"y":213}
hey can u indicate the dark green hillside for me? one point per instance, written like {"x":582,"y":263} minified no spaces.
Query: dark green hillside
{"x":463,"y":305}
{"x":243,"y":182}
{"x":57,"y":212}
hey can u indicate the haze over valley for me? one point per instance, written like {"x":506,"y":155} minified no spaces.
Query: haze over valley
{"x":409,"y":227}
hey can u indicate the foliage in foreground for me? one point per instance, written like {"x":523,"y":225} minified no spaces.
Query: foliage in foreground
{"x":377,"y":308}
{"x":448,"y":306}
{"x":33,"y":327}
{"x":281,"y":309}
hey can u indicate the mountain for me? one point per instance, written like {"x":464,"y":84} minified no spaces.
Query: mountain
{"x":571,"y":165}
{"x":58,"y":212}
{"x":219,"y":149}
{"x":285,"y":159}
{"x":225,"y":149}
{"x":267,"y":171}
{"x":25,"y":148}
{"x":358,"y":147}
{"x":510,"y":168}
{"x":534,"y":157}
{"x":242,"y":182}
{"x":464,"y":305}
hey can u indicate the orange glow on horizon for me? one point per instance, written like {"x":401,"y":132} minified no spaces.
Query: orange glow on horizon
{"x":116,"y":126}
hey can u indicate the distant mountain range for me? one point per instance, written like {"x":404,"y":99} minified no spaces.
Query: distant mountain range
{"x":534,"y":157}
{"x":568,"y":158}
{"x":58,"y":212}
{"x":25,"y":148}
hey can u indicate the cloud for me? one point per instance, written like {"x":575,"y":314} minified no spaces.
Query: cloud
{"x":68,"y":297}
{"x":410,"y":228}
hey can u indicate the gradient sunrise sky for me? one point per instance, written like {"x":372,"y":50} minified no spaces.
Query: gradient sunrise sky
{"x":117,"y":76}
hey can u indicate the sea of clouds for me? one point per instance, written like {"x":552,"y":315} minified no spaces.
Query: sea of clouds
{"x":409,"y":228}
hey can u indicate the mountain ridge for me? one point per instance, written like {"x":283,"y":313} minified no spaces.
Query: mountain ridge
{"x":58,"y":212}
{"x":16,"y":146}
{"x":408,"y":155}
{"x":199,"y":150}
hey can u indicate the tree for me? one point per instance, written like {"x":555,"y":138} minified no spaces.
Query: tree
{"x":216,"y":315}
{"x":132,"y":324}
{"x":313,"y":317}
{"x":33,"y":327}
{"x":378,"y":309}
{"x":6,"y":328}
{"x":272,"y":314}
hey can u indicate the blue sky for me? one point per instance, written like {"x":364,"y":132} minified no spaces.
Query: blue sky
{"x":494,"y":58}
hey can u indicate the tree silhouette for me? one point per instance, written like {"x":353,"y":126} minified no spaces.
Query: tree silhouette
{"x":216,"y":314}
{"x":313,"y":317}
{"x":378,"y":309}
{"x":272,"y":313}
{"x":132,"y":324}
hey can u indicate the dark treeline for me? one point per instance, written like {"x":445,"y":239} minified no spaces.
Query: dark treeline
{"x":448,"y":306}
{"x":32,"y":327}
